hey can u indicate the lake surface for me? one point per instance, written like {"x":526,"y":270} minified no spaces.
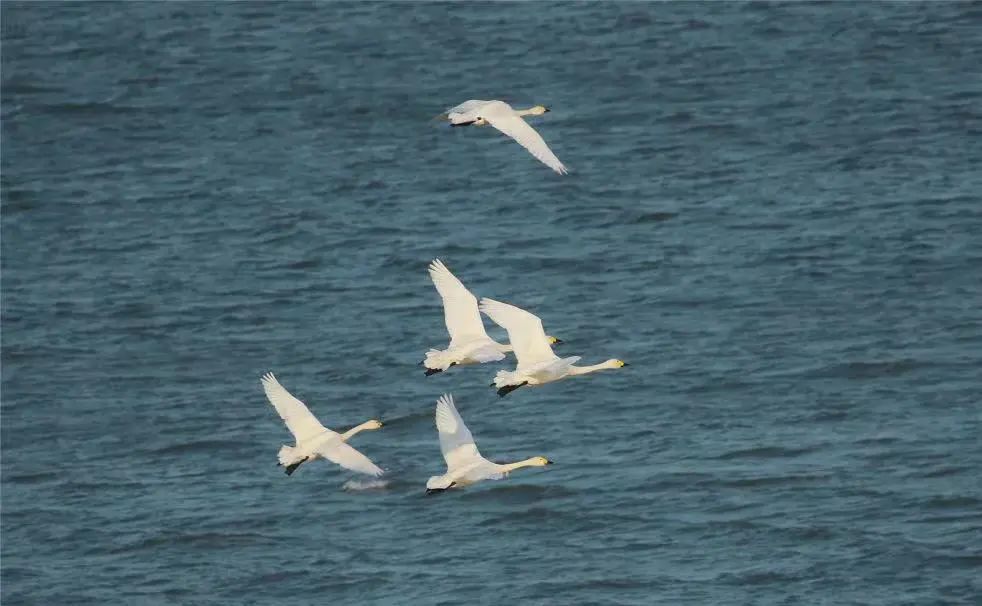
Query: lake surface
{"x":772,"y":213}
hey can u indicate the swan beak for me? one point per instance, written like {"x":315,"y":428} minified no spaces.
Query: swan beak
{"x":547,"y":110}
{"x":548,"y":462}
{"x":463,"y":123}
{"x":623,"y":364}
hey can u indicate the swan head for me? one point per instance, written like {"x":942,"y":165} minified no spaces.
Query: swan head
{"x":439,"y":484}
{"x":616,"y":363}
{"x":538,"y":110}
{"x":539,"y":462}
{"x":373,"y":424}
{"x":554,"y":340}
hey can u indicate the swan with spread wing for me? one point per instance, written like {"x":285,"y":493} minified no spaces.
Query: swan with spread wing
{"x":509,"y":121}
{"x":313,"y":440}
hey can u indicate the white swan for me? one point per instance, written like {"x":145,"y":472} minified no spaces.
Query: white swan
{"x":313,"y":440}
{"x":469,"y":342}
{"x":536,"y":362}
{"x":509,"y":121}
{"x":465,"y":465}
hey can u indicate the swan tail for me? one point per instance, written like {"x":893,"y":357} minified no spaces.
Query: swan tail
{"x":437,"y":361}
{"x":287,"y":455}
{"x":505,"y":377}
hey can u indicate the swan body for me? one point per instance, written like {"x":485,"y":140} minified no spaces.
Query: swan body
{"x":469,"y":341}
{"x":313,"y":440}
{"x":465,"y":465}
{"x":509,"y":121}
{"x":537,"y":364}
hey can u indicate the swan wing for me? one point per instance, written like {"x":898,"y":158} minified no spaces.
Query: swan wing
{"x":504,"y":118}
{"x":456,"y":441}
{"x":454,"y":113}
{"x":486,"y":354}
{"x":524,"y":331}
{"x":459,"y":306}
{"x":485,"y":470}
{"x":298,"y":418}
{"x":346,"y":456}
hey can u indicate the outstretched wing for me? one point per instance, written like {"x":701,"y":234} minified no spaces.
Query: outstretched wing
{"x":344,"y":455}
{"x":459,"y":306}
{"x":504,"y":119}
{"x":524,"y":331}
{"x":299,"y":420}
{"x":486,"y":354}
{"x":456,"y":441}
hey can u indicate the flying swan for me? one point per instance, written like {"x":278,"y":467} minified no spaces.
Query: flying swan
{"x":536,"y":362}
{"x":469,"y":342}
{"x":465,"y":465}
{"x":314,"y":441}
{"x":509,"y":121}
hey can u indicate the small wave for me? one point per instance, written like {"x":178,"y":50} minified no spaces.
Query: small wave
{"x":202,"y":540}
{"x":868,"y":370}
{"x":762,"y":481}
{"x":764,"y":452}
{"x":517,"y":493}
{"x":653,"y":217}
{"x":196,"y":447}
{"x":361,"y":485}
{"x":32,"y":478}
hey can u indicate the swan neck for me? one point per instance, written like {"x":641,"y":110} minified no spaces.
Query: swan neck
{"x":509,"y":467}
{"x":354,"y":430}
{"x":582,"y":370}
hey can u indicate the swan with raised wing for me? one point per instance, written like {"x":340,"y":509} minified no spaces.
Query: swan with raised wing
{"x":537,"y":364}
{"x":313,"y":440}
{"x":469,"y":341}
{"x":509,"y":121}
{"x":465,"y":465}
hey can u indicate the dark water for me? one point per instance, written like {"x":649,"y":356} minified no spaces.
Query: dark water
{"x":773,"y":214}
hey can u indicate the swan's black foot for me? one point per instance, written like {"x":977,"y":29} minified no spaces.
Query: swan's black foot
{"x":293,"y":467}
{"x":507,"y":389}
{"x":433,"y":371}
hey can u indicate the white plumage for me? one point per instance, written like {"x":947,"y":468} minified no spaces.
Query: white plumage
{"x":469,"y":341}
{"x":537,"y":364}
{"x":509,"y":121}
{"x":313,"y":440}
{"x":465,"y":465}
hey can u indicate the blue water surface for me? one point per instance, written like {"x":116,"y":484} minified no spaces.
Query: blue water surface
{"x":772,"y":213}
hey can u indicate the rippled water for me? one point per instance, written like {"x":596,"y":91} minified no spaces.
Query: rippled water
{"x":773,"y":214}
